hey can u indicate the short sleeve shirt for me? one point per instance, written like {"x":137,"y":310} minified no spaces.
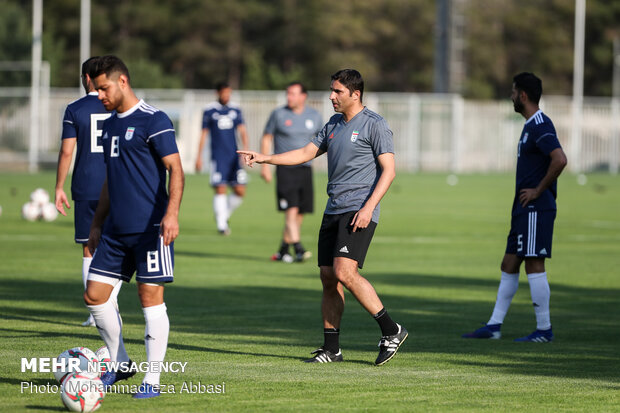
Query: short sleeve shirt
{"x":292,"y":130}
{"x":222,"y":122}
{"x":538,"y":139}
{"x":134,"y":143}
{"x":83,"y":120}
{"x":352,"y":149}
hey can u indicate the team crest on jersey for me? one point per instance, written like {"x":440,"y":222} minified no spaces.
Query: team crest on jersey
{"x":354,"y":135}
{"x":129,"y":133}
{"x":525,"y":137}
{"x":309,"y":124}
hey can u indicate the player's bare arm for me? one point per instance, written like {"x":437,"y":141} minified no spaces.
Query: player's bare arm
{"x":265,"y":148}
{"x":388,"y":172}
{"x":169,"y":226}
{"x":103,"y":208}
{"x":201,"y":146}
{"x":558,"y":163}
{"x":64,"y":162}
{"x":243,"y":135}
{"x":296,"y":157}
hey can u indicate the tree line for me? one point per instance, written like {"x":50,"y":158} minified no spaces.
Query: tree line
{"x":260,"y":44}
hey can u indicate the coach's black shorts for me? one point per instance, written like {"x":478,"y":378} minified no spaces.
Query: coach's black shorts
{"x":337,"y":239}
{"x":531,"y":234}
{"x":294,"y":188}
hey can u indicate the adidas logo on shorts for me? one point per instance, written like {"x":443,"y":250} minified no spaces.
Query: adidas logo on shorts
{"x":344,"y":249}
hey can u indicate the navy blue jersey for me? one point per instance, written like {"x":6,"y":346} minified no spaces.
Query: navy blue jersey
{"x":222,"y":121}
{"x":134,"y":143}
{"x":83,"y":120}
{"x":538,"y":140}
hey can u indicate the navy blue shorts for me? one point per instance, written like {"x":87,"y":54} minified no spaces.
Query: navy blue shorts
{"x":531,"y":234}
{"x":83,"y":217}
{"x":120,"y":255}
{"x":228,"y":172}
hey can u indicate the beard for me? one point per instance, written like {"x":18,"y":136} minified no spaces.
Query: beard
{"x":518,"y":105}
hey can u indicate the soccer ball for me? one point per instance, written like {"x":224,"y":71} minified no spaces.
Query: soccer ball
{"x":103,"y":355}
{"x":31,"y":211}
{"x":49,"y":212}
{"x":82,"y":392}
{"x":40,"y":196}
{"x":85,"y":356}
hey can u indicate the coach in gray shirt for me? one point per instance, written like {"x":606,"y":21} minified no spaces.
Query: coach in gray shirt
{"x":360,"y":162}
{"x":292,"y":127}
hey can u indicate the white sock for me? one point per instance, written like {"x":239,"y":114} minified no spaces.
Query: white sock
{"x":114,"y":294}
{"x":220,"y":208}
{"x":85,"y":267}
{"x":507,"y":288}
{"x":539,"y":288}
{"x":110,"y":329}
{"x":234,"y":201}
{"x":155,"y":338}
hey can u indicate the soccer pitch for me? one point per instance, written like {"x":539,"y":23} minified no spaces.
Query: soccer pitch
{"x":239,"y":320}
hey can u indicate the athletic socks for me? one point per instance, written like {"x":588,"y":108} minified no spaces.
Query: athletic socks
{"x":85,"y":267}
{"x":388,"y":327}
{"x":507,"y":288}
{"x":539,"y":289}
{"x":331,"y":340}
{"x":299,"y":249}
{"x":220,"y":208}
{"x":110,"y":329}
{"x":234,"y":201}
{"x":155,"y":338}
{"x":283,"y":248}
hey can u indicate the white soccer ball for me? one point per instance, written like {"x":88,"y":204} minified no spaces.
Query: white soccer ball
{"x":49,"y":212}
{"x":82,"y":392}
{"x":40,"y":196}
{"x":31,"y":211}
{"x":103,"y":355}
{"x":83,"y":354}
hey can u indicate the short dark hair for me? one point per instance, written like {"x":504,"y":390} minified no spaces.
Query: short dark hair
{"x":530,"y":84}
{"x":351,"y":79}
{"x":88,"y":65}
{"x":221,"y":85}
{"x":107,"y":65}
{"x":301,"y":85}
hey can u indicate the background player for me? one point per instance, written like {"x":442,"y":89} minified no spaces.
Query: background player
{"x":142,"y":219}
{"x":540,"y":160}
{"x":292,"y":127}
{"x":221,"y":119}
{"x":81,"y":125}
{"x":360,"y":163}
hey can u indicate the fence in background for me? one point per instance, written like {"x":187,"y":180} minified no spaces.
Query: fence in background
{"x":440,"y":133}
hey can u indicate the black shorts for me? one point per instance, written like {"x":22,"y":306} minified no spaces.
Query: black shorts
{"x":294,"y":188}
{"x":337,"y":239}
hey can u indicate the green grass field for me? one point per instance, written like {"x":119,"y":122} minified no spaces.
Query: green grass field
{"x":239,"y":319}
